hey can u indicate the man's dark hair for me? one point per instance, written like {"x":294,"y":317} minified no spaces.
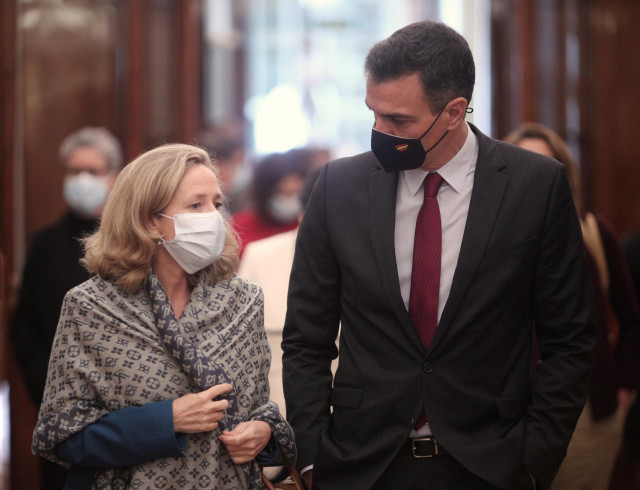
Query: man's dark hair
{"x":436,"y":52}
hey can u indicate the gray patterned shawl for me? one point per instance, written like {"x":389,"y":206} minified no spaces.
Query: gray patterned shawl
{"x":114,"y":349}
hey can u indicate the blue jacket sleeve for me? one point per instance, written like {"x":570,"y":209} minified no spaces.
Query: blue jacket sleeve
{"x":131,"y":435}
{"x":268,"y":455}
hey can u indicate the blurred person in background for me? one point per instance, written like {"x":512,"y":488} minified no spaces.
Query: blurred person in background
{"x":225,"y":142}
{"x":597,"y":438}
{"x":629,"y":463}
{"x":275,"y":207}
{"x":632,"y":251}
{"x":158,"y":373}
{"x":267,"y":262}
{"x":91,"y":159}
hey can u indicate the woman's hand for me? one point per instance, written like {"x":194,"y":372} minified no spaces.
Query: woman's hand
{"x":199,"y":412}
{"x":246,"y":440}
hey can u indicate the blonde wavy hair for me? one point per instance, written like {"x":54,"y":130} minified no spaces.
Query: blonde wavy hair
{"x":559,"y":149}
{"x":123,"y":249}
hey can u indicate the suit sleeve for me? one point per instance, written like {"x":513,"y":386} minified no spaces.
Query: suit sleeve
{"x":565,"y":331}
{"x":311,"y":326}
{"x":131,"y":435}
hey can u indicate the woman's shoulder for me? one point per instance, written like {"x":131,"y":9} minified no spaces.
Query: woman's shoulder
{"x":244,"y":284}
{"x":97,"y":287}
{"x":87,"y":287}
{"x":236,"y":284}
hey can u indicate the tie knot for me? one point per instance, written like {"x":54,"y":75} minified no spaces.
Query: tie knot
{"x":431,"y":184}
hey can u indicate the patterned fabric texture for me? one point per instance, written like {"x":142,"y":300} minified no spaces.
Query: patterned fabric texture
{"x":115,"y":349}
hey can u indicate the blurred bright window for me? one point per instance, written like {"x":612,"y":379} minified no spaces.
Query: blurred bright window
{"x":300,"y":63}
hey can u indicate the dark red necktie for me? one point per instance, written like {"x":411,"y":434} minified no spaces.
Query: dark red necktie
{"x":425,"y":273}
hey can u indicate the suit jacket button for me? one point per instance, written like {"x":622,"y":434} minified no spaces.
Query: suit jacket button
{"x":427,"y":368}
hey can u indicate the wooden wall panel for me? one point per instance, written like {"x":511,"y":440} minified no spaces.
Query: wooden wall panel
{"x":69,"y":65}
{"x":574,"y":65}
{"x":7,"y":113}
{"x":614,"y":128}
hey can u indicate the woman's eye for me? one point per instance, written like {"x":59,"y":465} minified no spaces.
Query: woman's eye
{"x":195,"y":205}
{"x":217,"y":205}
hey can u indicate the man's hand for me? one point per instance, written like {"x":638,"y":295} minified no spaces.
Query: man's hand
{"x":246,"y":440}
{"x":307,"y":477}
{"x":199,"y":412}
{"x":625,"y":399}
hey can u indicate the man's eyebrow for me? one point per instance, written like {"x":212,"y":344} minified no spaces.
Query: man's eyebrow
{"x":392,"y":115}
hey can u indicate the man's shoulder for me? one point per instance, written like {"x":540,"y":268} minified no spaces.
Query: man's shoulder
{"x":66,"y":230}
{"x":356,"y":164}
{"x":51,"y":231}
{"x":515,"y":159}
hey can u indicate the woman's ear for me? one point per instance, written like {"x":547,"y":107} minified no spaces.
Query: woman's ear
{"x":457,"y":109}
{"x":153,"y":221}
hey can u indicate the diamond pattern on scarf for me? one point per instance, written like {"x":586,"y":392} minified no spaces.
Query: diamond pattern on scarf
{"x":115,"y":349}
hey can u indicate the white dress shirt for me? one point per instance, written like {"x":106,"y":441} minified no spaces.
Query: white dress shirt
{"x":454,"y":197}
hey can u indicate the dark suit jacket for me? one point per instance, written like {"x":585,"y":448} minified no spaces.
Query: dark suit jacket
{"x":52,"y":268}
{"x":521,"y":263}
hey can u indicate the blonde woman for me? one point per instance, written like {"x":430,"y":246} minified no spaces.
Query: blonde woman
{"x":616,"y":370}
{"x":158,"y":374}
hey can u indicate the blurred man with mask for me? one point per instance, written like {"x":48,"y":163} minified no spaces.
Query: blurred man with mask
{"x":91,"y":158}
{"x":226,"y":145}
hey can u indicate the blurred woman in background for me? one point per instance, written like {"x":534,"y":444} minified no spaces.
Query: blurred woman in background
{"x":616,"y":372}
{"x":275,"y":207}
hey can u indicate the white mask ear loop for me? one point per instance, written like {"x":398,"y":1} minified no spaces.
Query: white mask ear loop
{"x":160,"y":240}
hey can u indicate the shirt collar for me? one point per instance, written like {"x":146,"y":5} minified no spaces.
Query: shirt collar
{"x":454,"y":172}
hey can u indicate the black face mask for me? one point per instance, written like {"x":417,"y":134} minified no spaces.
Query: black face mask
{"x":396,"y":154}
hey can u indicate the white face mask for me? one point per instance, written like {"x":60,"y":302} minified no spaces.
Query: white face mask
{"x":85,"y":193}
{"x":284,"y":209}
{"x":199,"y":240}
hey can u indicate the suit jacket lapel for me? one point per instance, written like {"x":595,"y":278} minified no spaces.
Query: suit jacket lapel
{"x":488,"y":188}
{"x":383,"y":188}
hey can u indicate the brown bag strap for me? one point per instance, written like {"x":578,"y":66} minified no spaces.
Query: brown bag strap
{"x":293,"y":482}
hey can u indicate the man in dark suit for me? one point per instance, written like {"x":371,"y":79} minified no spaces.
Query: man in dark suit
{"x":490,"y":252}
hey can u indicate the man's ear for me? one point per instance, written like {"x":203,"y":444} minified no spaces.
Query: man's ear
{"x":456,"y":109}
